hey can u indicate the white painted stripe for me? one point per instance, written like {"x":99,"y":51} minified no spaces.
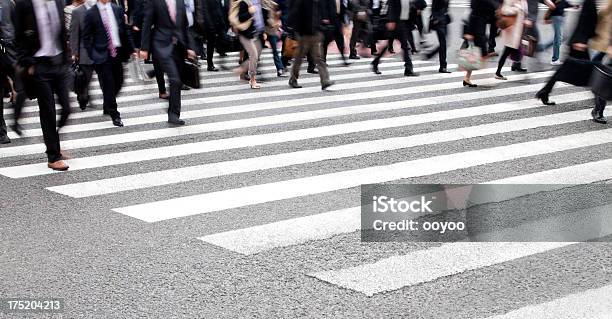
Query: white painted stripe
{"x":231,"y":78}
{"x":260,"y":121}
{"x":297,"y":231}
{"x":184,"y":174}
{"x":251,"y":107}
{"x":154,"y":106}
{"x":251,"y":195}
{"x":427,"y":265}
{"x":280,"y":137}
{"x":591,"y":304}
{"x":450,"y":259}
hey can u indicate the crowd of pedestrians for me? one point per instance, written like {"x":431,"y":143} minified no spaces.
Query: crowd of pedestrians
{"x":49,"y":47}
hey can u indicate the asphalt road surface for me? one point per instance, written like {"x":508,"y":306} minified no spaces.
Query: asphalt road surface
{"x":251,"y":210}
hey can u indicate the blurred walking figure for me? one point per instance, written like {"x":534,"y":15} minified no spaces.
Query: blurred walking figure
{"x":438,"y":22}
{"x":334,"y":32}
{"x":362,"y":29}
{"x":79,"y":52}
{"x":271,"y":15}
{"x":512,"y":35}
{"x":246,"y":17}
{"x":212,"y":19}
{"x":165,"y":31}
{"x":399,"y":14}
{"x":482,"y":12}
{"x":602,"y":43}
{"x":7,"y":59}
{"x":309,"y":17}
{"x":41,"y":43}
{"x":108,"y":44}
{"x":576,"y":69}
{"x":557,"y":18}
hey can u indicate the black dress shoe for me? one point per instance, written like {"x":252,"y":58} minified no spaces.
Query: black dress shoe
{"x":258,"y":73}
{"x":327,"y":84}
{"x":312,"y":71}
{"x":83,"y":106}
{"x":17,"y":129}
{"x":598,"y":117}
{"x":375,"y":68}
{"x":176,"y":121}
{"x":294,"y":85}
{"x":354,"y":57}
{"x":518,"y":68}
{"x":117,"y":122}
{"x":212,"y":69}
{"x":544,"y":98}
{"x":444,"y":70}
{"x":4,"y":139}
{"x":469,"y":84}
{"x":185,"y":88}
{"x":410,"y":73}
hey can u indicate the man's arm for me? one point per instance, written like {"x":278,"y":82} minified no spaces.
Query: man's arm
{"x":75,"y":32}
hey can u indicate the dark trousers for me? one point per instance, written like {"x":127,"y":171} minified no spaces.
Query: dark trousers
{"x":441,"y":32}
{"x":2,"y":122}
{"x":83,"y":95}
{"x":159,"y":76}
{"x":211,"y":43}
{"x":110,"y":76}
{"x":171,"y":66}
{"x":21,"y":96}
{"x":492,"y":36}
{"x":309,"y":45}
{"x":334,"y":35}
{"x":403,"y":28}
{"x":50,"y":80}
{"x":502,"y":60}
{"x":359,"y":28}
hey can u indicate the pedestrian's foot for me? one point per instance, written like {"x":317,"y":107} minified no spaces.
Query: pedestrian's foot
{"x":117,"y":122}
{"x":410,"y":73}
{"x":375,"y":68}
{"x":254,"y":85}
{"x":83,"y":106}
{"x":312,"y":71}
{"x":444,"y":70}
{"x":58,"y":166}
{"x":185,"y":88}
{"x":163,"y":96}
{"x":544,"y":98}
{"x":17,"y":129}
{"x":280,"y":73}
{"x":518,"y":68}
{"x":327,"y":84}
{"x":354,"y":57}
{"x":212,"y":69}
{"x":555,"y":63}
{"x":500,"y":77}
{"x":295,"y":85}
{"x":598,"y":118}
{"x":176,"y":122}
{"x":391,"y":51}
{"x":4,"y":139}
{"x":492,"y":54}
{"x":469,"y":84}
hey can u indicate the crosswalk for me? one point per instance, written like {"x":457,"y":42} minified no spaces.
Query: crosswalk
{"x":278,"y":170}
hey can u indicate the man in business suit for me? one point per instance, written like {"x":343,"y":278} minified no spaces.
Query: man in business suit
{"x":108,"y":44}
{"x":211,"y":18}
{"x":165,"y":30}
{"x":79,"y":52}
{"x":338,"y":11}
{"x":42,"y":50}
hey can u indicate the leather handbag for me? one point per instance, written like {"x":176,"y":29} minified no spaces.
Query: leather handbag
{"x":601,"y":81}
{"x":528,"y":45}
{"x":289,"y":47}
{"x":190,"y":74}
{"x":504,"y":21}
{"x":78,"y":76}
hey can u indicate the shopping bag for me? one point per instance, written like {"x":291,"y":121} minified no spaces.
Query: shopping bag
{"x":601,"y":81}
{"x":469,"y":57}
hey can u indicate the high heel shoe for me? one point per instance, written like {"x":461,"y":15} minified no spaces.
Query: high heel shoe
{"x":500,"y":77}
{"x":254,"y":85}
{"x":469,"y":84}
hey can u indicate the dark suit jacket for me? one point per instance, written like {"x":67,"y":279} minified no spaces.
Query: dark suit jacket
{"x":27,"y":42}
{"x":158,"y":30}
{"x":211,"y":16}
{"x":77,"y":23}
{"x":587,"y":23}
{"x":306,"y":15}
{"x":95,"y":39}
{"x":395,"y":10}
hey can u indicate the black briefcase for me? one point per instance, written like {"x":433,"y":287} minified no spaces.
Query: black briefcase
{"x":190,"y":74}
{"x":601,"y":81}
{"x":78,"y":76}
{"x":576,"y":72}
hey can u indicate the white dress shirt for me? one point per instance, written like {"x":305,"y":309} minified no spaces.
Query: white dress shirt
{"x":375,"y":4}
{"x":190,"y":9}
{"x":108,"y":10}
{"x":49,"y":28}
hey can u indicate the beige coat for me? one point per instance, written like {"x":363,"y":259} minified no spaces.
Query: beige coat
{"x":511,"y":37}
{"x":604,"y":27}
